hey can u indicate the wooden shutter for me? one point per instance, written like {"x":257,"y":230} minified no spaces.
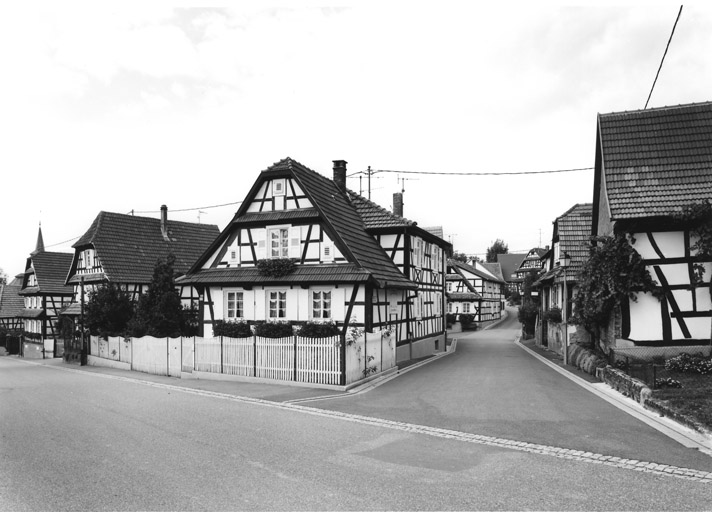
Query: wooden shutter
{"x":261,"y":240}
{"x":295,"y":242}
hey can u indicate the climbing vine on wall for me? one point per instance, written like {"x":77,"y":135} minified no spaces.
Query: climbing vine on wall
{"x":613,"y":273}
{"x":699,"y":217}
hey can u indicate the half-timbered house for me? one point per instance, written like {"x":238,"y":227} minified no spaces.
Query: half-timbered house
{"x":570,"y":238}
{"x":650,"y":165}
{"x":531,"y":265}
{"x":11,"y":306}
{"x":473,"y":289}
{"x":355,"y":264}
{"x":420,"y":254}
{"x":509,"y":264}
{"x":124,"y":249}
{"x":45,"y":294}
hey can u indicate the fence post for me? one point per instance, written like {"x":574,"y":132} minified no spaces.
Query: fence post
{"x":168,"y":357}
{"x":654,"y":375}
{"x":221,"y":354}
{"x":254,"y":355}
{"x":295,"y":358}
{"x":365,"y":352}
{"x":194,"y":369}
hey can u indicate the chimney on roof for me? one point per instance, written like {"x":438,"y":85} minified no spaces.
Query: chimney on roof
{"x":398,"y":204}
{"x":164,"y":222}
{"x":340,"y":174}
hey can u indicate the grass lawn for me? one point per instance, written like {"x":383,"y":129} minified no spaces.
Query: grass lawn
{"x":693,"y":399}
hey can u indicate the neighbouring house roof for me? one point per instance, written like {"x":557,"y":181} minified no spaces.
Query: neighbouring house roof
{"x":509,"y":264}
{"x":376,"y":218}
{"x":653,"y":162}
{"x":128,"y":246}
{"x":343,"y":223}
{"x":436,"y":230}
{"x":50,"y":270}
{"x":574,"y":230}
{"x":11,"y":304}
{"x":534,"y":255}
{"x":495,"y":269}
{"x":459,"y":266}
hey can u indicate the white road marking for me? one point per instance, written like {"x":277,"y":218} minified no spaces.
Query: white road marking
{"x":552,"y":451}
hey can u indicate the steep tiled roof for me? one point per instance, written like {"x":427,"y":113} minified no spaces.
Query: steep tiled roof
{"x":495,"y":269}
{"x":351,"y":237}
{"x":50,"y":269}
{"x":11,"y":304}
{"x":574,"y":230}
{"x":128,"y":247}
{"x":458,"y":266}
{"x":658,"y":160}
{"x":510,"y":263}
{"x":375,"y":216}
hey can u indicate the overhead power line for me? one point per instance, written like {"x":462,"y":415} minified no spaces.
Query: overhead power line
{"x":663,"y":59}
{"x":188,"y":209}
{"x":487,"y":173}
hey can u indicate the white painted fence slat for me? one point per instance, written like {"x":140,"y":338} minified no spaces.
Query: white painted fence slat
{"x":207,"y":355}
{"x":239,"y":356}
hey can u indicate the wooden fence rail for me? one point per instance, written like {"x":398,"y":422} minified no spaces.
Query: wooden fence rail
{"x":293,"y":358}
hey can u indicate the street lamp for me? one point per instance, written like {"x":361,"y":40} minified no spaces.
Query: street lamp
{"x":565,"y":261}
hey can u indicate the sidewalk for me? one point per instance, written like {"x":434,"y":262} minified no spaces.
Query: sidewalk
{"x":681,"y":433}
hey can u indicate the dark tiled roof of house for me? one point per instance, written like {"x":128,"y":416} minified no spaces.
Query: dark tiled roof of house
{"x":11,"y":304}
{"x":656,"y":161}
{"x":375,"y":216}
{"x":495,"y":269}
{"x":50,"y":269}
{"x":459,"y":266}
{"x":336,"y":273}
{"x":574,"y":230}
{"x":510,"y":263}
{"x":455,"y":296}
{"x":348,"y":227}
{"x":128,"y":247}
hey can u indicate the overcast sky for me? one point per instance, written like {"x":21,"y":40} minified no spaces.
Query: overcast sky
{"x":130,"y":108}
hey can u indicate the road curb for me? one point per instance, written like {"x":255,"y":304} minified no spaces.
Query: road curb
{"x":682,"y":434}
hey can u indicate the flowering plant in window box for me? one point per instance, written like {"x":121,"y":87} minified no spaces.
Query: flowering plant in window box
{"x":276,"y":267}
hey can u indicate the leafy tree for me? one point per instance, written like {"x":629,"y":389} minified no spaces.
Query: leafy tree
{"x":108,"y":311}
{"x":497,"y":247}
{"x":3,"y":277}
{"x":460,"y":256}
{"x":159,"y":311}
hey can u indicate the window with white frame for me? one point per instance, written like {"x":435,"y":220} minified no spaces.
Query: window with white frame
{"x":235,"y":306}
{"x":277,"y":304}
{"x":449,"y":307}
{"x":465,"y":307}
{"x":321,"y":304}
{"x":279,"y":242}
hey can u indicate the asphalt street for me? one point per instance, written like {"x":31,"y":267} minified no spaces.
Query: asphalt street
{"x":485,"y":428}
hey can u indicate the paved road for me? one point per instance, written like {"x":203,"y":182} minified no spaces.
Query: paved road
{"x":72,"y":439}
{"x":492,"y":387}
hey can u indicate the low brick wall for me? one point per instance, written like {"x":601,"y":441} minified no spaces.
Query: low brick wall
{"x":625,"y":384}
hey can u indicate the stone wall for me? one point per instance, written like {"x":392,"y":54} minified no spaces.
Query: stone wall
{"x":625,"y":384}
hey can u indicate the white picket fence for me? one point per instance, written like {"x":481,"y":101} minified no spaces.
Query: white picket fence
{"x":308,"y":360}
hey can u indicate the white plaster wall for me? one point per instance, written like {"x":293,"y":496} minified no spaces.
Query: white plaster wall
{"x":645,"y":320}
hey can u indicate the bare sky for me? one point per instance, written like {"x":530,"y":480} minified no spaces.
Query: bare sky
{"x":129,"y":108}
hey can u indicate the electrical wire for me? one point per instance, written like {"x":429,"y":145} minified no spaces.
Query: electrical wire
{"x":663,"y":59}
{"x":487,"y":173}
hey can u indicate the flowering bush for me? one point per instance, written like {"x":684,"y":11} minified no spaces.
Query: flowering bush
{"x":232,"y":329}
{"x":686,"y":363}
{"x":667,"y":383}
